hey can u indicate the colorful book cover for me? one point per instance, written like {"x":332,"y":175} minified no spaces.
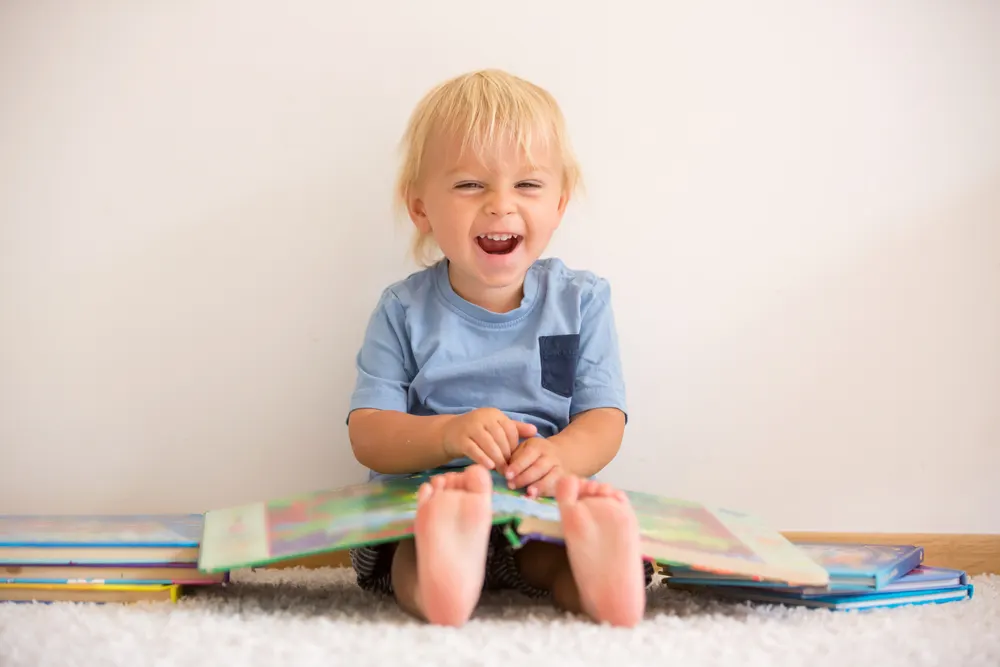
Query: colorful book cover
{"x":700,"y":538}
{"x":315,"y":522}
{"x":78,"y":539}
{"x":672,"y":531}
{"x":851,"y":566}
{"x":101,"y":531}
{"x":866,"y":601}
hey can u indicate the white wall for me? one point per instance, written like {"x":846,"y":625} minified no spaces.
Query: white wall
{"x":799,"y":210}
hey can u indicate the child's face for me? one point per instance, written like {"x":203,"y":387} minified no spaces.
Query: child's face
{"x":464,"y":201}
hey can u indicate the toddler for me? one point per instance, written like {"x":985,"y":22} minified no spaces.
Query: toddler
{"x":491,"y":359}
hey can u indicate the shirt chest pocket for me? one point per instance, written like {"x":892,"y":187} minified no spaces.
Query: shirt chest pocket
{"x":558,"y":356}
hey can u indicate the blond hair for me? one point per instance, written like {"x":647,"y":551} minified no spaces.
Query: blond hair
{"x":483,"y":108}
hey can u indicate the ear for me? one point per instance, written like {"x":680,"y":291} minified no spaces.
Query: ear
{"x":418,"y":214}
{"x":563,"y":203}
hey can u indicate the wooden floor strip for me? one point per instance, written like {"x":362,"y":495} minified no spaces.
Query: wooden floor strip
{"x":976,"y":554}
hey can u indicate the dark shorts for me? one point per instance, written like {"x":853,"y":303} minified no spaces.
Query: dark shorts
{"x":373,"y":565}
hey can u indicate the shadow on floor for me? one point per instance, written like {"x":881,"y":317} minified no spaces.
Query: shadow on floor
{"x":342,"y":599}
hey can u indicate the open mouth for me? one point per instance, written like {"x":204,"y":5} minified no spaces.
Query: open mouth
{"x":498,"y":244}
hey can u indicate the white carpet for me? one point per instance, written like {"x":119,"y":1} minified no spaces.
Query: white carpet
{"x":318,"y":617}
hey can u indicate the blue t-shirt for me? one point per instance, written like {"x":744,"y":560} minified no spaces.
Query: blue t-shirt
{"x":428,"y":351}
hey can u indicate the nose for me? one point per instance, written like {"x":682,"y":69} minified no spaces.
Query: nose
{"x":500,"y":204}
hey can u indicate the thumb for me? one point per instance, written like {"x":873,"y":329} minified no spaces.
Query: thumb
{"x":525,"y":430}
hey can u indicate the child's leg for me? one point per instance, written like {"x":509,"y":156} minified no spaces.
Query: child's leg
{"x":438,"y":576}
{"x":545,"y":566}
{"x":600,"y":572}
{"x":602,"y":543}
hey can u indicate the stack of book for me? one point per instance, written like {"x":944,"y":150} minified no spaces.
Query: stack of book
{"x":101,"y":558}
{"x":862,"y":576}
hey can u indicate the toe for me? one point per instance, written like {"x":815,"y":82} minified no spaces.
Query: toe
{"x":568,"y":490}
{"x":602,"y":489}
{"x":423,"y":493}
{"x":477,"y":479}
{"x":452,"y":480}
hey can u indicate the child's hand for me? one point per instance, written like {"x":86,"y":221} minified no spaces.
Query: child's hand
{"x":535,"y":464}
{"x":487,"y":436}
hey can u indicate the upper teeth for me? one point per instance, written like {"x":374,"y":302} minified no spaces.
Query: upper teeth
{"x":498,"y":237}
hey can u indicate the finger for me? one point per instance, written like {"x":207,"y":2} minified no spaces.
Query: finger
{"x":484,"y":440}
{"x":533,"y":473}
{"x":472,"y":450}
{"x":523,"y":457}
{"x":526,"y":430}
{"x":546,"y":486}
{"x":510,"y":429}
{"x":503,"y":443}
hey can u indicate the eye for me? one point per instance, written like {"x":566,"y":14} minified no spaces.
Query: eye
{"x":529,"y":184}
{"x":467,"y":185}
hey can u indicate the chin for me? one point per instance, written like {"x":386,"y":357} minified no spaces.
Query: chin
{"x":502,"y":276}
{"x":494,"y":271}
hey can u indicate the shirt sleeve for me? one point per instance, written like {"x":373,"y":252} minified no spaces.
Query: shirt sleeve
{"x":383,"y":377}
{"x":599,"y":379}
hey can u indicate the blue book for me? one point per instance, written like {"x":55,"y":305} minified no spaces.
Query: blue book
{"x":833,"y":602}
{"x":920,"y":578}
{"x":97,"y":540}
{"x":851,"y":567}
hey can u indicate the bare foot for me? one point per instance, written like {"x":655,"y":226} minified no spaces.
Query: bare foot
{"x":451,"y":534}
{"x":602,"y":543}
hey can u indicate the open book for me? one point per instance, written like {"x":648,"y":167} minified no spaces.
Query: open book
{"x":672,"y":532}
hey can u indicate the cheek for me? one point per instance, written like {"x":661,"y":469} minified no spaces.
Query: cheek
{"x":543,"y":213}
{"x":453,"y":209}
{"x":451,"y":219}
